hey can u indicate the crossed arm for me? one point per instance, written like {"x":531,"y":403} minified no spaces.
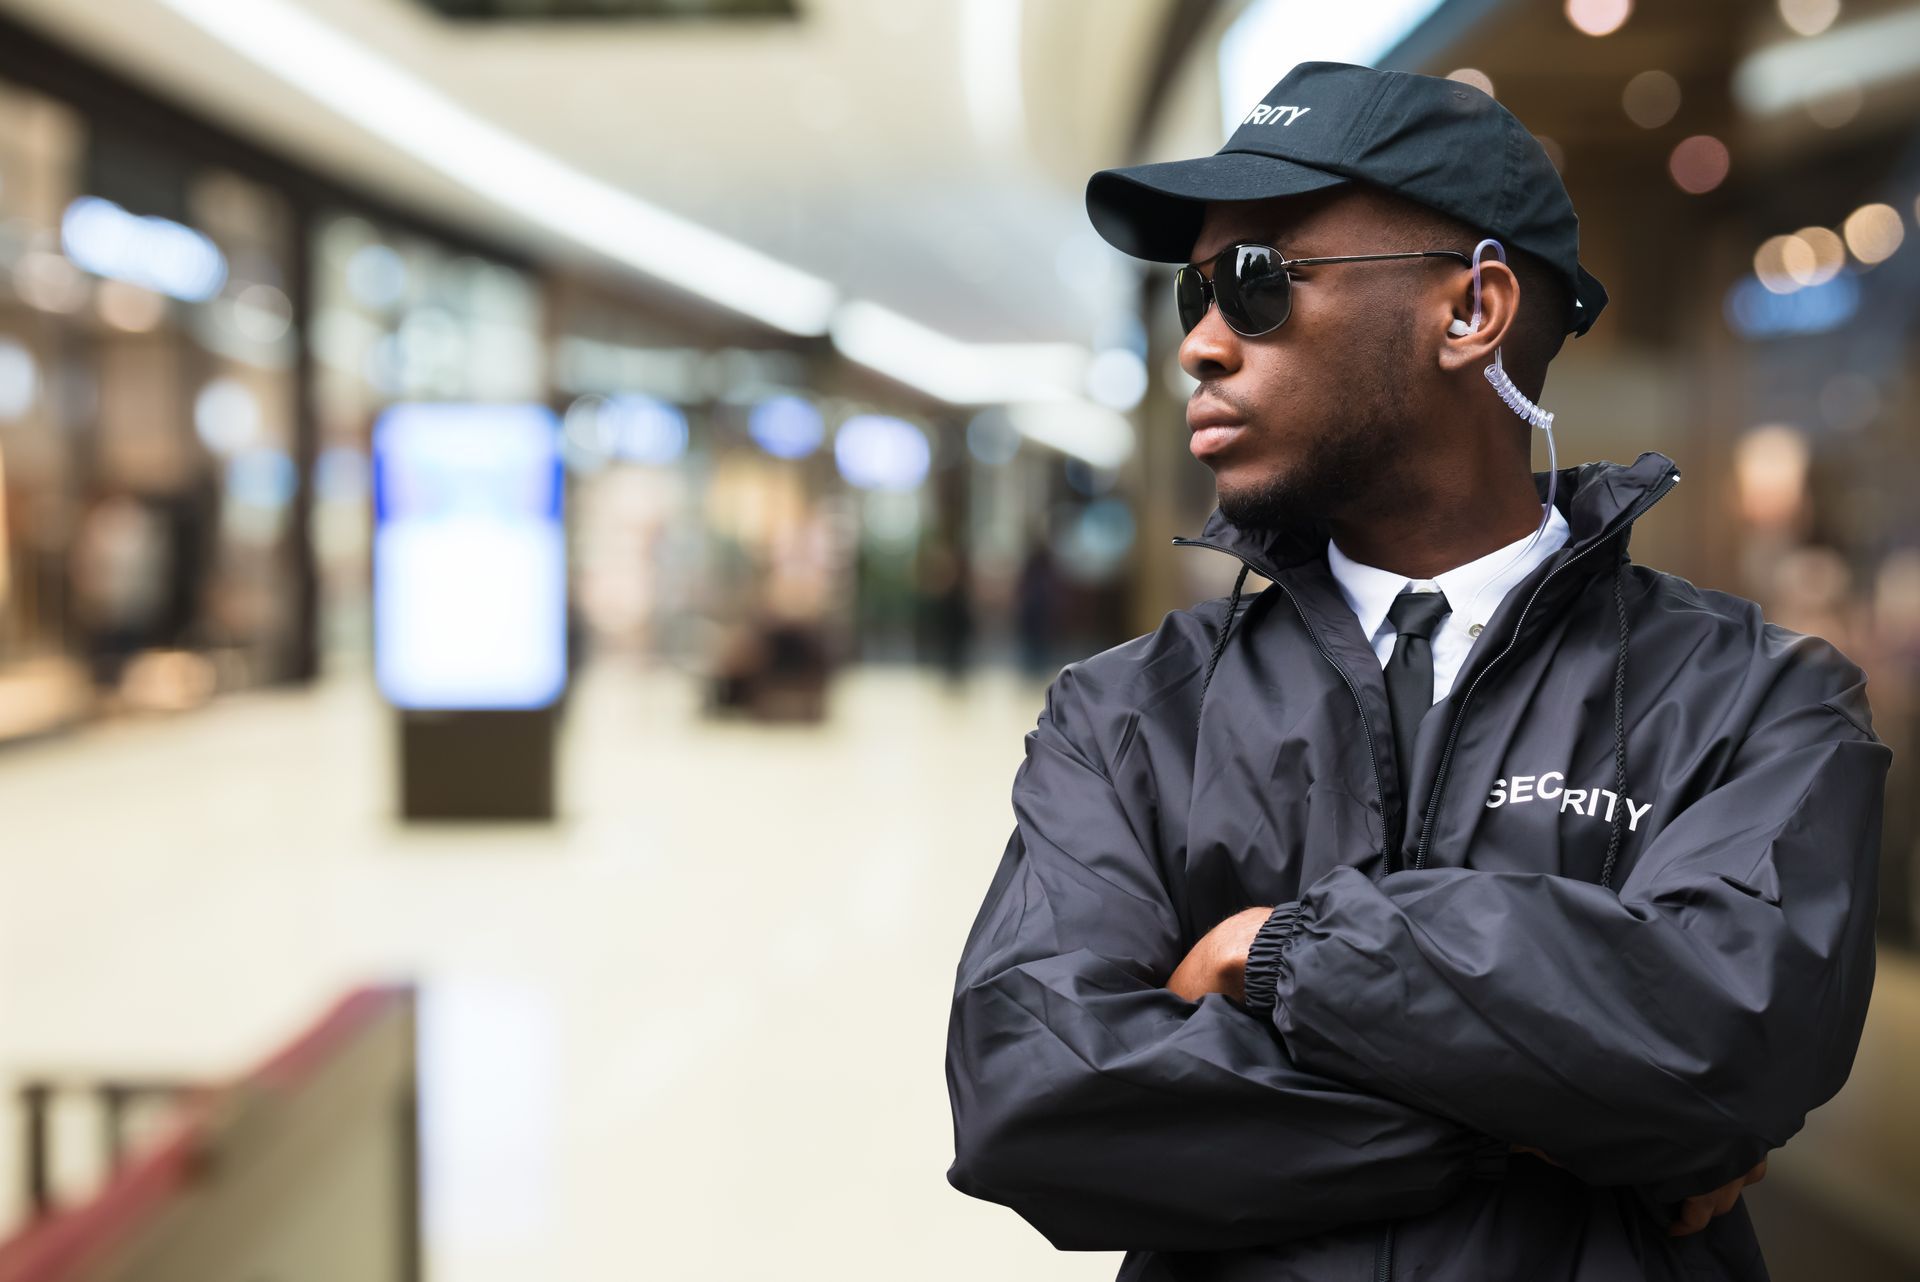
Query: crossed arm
{"x":1108,"y":1085}
{"x":1217,"y":963}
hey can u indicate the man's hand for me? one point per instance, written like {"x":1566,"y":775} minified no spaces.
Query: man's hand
{"x":1218,"y":963}
{"x":1698,"y":1209}
{"x":1701,"y":1207}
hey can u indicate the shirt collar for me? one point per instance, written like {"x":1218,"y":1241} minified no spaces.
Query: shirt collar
{"x":1479,"y":585}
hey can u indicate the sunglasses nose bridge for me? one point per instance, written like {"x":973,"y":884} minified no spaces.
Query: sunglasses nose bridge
{"x":1210,"y":296}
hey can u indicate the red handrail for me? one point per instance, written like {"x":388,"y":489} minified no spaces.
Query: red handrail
{"x":51,"y":1248}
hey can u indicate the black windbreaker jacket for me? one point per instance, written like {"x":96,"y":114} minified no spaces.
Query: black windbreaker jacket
{"x":1624,"y":917}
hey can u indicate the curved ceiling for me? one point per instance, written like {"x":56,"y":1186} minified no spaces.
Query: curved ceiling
{"x":925,"y":156}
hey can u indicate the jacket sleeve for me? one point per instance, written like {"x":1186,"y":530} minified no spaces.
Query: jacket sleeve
{"x":1110,"y":1112}
{"x":1666,"y":1036}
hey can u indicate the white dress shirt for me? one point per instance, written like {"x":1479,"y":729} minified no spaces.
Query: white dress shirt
{"x":1478,"y":587}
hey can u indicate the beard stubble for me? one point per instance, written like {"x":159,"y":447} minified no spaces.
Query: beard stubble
{"x":1354,"y":466}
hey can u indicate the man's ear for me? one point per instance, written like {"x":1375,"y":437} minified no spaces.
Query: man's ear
{"x":1499,"y":304}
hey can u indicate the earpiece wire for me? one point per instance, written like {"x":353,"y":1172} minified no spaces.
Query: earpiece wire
{"x":1518,"y":402}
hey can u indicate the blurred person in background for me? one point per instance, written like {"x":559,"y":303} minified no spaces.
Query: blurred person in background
{"x":1038,"y":591}
{"x":946,"y":607}
{"x":1471,"y":901}
{"x":123,"y":572}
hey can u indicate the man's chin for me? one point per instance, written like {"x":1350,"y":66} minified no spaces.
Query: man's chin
{"x":1266,"y":502}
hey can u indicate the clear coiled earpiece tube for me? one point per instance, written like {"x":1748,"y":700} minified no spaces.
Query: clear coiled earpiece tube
{"x":1517,"y":401}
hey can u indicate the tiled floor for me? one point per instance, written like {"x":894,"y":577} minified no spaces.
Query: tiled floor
{"x":694,"y":1030}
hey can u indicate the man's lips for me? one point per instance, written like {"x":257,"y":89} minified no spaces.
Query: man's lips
{"x":1213,"y":428}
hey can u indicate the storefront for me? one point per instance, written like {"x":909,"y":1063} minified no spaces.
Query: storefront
{"x":195,"y":338}
{"x":148,"y":417}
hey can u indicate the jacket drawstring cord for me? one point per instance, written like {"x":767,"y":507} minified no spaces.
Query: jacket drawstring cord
{"x":1220,"y":642}
{"x":1619,"y":724}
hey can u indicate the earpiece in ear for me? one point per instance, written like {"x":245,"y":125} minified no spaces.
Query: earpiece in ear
{"x":1497,"y":372}
{"x":1516,"y":400}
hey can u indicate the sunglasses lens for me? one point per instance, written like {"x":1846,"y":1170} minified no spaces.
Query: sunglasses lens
{"x":1255,"y":293}
{"x":1189,"y":297}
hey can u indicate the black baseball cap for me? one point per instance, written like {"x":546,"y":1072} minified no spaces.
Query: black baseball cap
{"x":1439,"y":142}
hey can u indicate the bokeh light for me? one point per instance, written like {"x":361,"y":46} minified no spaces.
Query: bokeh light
{"x":1818,"y":256}
{"x":879,"y":452}
{"x":645,"y":429}
{"x":1598,"y":17}
{"x":1873,"y":232}
{"x":787,"y":427}
{"x":145,"y":250}
{"x":1651,"y":99}
{"x":226,"y":414}
{"x":262,"y":313}
{"x":992,"y":437}
{"x":1754,"y":311}
{"x":1809,"y":17}
{"x":1699,"y":164}
{"x":1473,"y":76}
{"x":1770,"y":263}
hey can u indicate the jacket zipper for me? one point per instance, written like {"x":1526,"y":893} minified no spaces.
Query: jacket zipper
{"x":1383,"y":1253}
{"x":1453,"y":732}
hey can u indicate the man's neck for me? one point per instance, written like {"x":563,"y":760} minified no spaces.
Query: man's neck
{"x":1443,"y":531}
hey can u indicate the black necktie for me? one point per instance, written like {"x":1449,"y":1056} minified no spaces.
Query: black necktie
{"x":1414,"y":616}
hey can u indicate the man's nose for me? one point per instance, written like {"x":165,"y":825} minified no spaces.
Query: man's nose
{"x":1211,"y":349}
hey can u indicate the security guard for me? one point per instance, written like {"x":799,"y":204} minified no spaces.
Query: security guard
{"x":1471,"y":902}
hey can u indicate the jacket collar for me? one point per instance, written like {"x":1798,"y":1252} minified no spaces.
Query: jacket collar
{"x":1599,"y":500}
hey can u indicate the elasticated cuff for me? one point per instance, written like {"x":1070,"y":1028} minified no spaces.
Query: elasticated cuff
{"x":1267,"y":954}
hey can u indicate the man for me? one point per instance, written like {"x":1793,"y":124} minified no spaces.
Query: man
{"x":1465,"y":905}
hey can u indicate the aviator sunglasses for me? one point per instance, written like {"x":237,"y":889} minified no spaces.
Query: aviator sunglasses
{"x":1254,"y":285}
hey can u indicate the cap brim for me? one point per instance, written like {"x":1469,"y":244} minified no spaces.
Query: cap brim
{"x":1155,"y":211}
{"x":1589,"y":297}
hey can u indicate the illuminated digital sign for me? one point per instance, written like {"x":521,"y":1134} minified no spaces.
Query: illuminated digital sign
{"x":469,"y":557}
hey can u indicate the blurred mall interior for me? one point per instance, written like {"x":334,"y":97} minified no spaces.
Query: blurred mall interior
{"x":579,"y":897}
